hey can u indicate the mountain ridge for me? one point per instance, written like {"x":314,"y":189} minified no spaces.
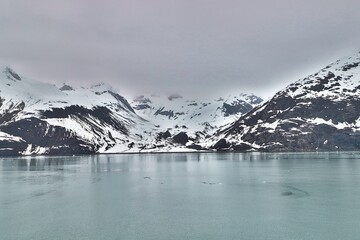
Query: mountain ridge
{"x":316,"y":113}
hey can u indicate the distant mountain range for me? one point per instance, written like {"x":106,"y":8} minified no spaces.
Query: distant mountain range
{"x":318,"y":113}
{"x":198,"y":119}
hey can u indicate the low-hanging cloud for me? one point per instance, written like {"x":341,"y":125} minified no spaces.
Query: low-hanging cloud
{"x":187,"y":46}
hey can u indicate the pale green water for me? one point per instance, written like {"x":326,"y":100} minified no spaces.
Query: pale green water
{"x":181,"y":196}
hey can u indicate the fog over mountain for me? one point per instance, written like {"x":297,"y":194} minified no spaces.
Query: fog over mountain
{"x":190,"y":47}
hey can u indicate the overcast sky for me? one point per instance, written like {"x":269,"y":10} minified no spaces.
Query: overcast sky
{"x":186,"y":46}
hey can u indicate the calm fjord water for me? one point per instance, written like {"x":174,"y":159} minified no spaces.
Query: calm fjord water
{"x":181,"y":196}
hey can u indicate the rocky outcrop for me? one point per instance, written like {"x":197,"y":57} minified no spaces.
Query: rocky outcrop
{"x":181,"y":138}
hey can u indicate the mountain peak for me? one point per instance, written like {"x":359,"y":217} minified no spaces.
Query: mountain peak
{"x":66,"y":88}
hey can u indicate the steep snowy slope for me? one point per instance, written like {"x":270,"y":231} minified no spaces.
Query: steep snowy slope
{"x":319,"y":112}
{"x":39,"y":118}
{"x":198,"y":119}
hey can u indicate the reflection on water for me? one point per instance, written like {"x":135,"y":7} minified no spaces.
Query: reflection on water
{"x":181,"y":196}
{"x":97,"y":162}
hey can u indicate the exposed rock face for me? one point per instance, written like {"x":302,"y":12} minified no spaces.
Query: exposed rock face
{"x":11,"y":74}
{"x":320,"y":112}
{"x":236,"y":108}
{"x":56,"y":140}
{"x":195,"y":147}
{"x":181,"y":138}
{"x":66,"y":88}
{"x":161,"y":111}
{"x":123,"y":103}
{"x":164,"y":135}
{"x":221,"y":145}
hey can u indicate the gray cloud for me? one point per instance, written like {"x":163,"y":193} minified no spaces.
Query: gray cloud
{"x":186,"y":46}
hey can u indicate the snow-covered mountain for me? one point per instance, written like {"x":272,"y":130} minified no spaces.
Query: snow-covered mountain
{"x":199,"y":119}
{"x":319,"y":112}
{"x":40,"y":118}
